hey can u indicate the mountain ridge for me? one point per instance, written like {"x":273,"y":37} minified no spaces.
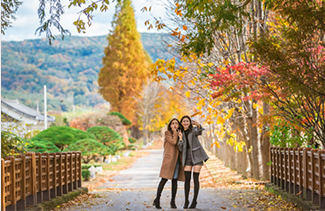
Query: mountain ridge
{"x":69,"y":68}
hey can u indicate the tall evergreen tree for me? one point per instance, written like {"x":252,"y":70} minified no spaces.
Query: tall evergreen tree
{"x":124,"y":65}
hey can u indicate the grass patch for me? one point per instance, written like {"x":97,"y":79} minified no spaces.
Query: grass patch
{"x":118,"y":165}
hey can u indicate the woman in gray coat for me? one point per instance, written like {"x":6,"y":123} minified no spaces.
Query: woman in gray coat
{"x":193,"y":156}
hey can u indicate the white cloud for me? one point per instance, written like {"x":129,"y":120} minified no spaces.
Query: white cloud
{"x":27,"y":20}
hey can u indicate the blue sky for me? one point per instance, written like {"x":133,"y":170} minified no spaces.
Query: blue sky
{"x":27,"y":21}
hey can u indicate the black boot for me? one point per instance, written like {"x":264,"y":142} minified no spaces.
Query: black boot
{"x":196,"y":189}
{"x":186,"y":204}
{"x":174,"y":191}
{"x":156,"y":203}
{"x":193,"y":205}
{"x":172,"y":204}
{"x":161,"y":185}
{"x":187,"y":187}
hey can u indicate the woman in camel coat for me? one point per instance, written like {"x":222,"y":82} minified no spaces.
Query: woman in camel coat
{"x":171,"y":168}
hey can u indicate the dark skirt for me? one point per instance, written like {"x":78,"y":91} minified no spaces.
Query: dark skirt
{"x":189,"y":162}
{"x":176,"y":171}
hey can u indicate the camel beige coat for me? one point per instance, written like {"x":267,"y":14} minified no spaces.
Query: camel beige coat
{"x":171,"y":154}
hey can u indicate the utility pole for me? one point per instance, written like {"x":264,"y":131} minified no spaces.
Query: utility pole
{"x":45,"y":109}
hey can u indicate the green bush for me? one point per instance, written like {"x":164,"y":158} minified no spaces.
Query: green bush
{"x":132,"y":140}
{"x":85,"y":173}
{"x":124,"y":120}
{"x":105,"y":134}
{"x":61,"y":136}
{"x":87,"y":166}
{"x":132,"y":147}
{"x":116,"y":147}
{"x":112,"y":139}
{"x":41,"y":146}
{"x":88,"y":148}
{"x":284,"y":134}
{"x":11,"y":144}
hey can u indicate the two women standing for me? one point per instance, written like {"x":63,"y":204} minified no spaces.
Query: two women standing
{"x":182,"y":153}
{"x":171,"y":168}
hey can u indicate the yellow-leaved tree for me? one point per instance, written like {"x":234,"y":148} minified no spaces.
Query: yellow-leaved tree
{"x":125,"y":66}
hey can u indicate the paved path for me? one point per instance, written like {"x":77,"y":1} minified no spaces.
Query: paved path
{"x":144,"y":173}
{"x":135,"y":189}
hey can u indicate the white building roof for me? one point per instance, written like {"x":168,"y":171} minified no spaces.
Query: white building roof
{"x":21,"y":112}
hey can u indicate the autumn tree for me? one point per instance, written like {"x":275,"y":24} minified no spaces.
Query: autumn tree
{"x":293,"y":48}
{"x":124,"y":64}
{"x":156,"y":107}
{"x":214,"y":35}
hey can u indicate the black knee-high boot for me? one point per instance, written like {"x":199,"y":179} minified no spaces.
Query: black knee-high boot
{"x":174,"y":191}
{"x":187,"y":188}
{"x":161,"y":185}
{"x":196,"y":189}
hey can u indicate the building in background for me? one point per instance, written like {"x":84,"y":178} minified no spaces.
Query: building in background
{"x":21,"y":118}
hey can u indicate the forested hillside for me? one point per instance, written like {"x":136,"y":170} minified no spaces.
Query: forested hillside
{"x":69,"y":68}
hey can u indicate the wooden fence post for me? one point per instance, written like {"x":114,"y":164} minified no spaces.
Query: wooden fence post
{"x":321,"y":201}
{"x":70,"y":172}
{"x":321,"y":172}
{"x":278,"y":164}
{"x":13,"y":185}
{"x":282,"y":168}
{"x":75,"y":171}
{"x":275,"y":154}
{"x":308,"y":191}
{"x":32,"y":199}
{"x":46,"y":192}
{"x":286,"y":169}
{"x":301,"y":171}
{"x":314,"y":162}
{"x":292,"y":170}
{"x":79,"y":178}
{"x":21,"y":204}
{"x":59,"y":190}
{"x":297,"y":166}
{"x":65,"y":186}
{"x":53,"y":190}
{"x":3,"y":202}
{"x":304,"y":162}
{"x":39,"y":181}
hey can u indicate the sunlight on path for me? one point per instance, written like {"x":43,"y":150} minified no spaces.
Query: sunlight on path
{"x":144,"y":173}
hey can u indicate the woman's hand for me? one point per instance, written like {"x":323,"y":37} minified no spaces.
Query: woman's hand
{"x":180,"y":135}
{"x":196,"y":123}
{"x":174,"y":130}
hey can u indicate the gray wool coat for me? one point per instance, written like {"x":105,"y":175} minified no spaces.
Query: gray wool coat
{"x":197,"y":151}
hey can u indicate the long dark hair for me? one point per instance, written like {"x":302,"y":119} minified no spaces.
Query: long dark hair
{"x":170,"y":123}
{"x":189,"y":118}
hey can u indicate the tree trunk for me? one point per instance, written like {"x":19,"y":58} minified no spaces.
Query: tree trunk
{"x":244,"y":162}
{"x":254,"y":136}
{"x":265,"y":146}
